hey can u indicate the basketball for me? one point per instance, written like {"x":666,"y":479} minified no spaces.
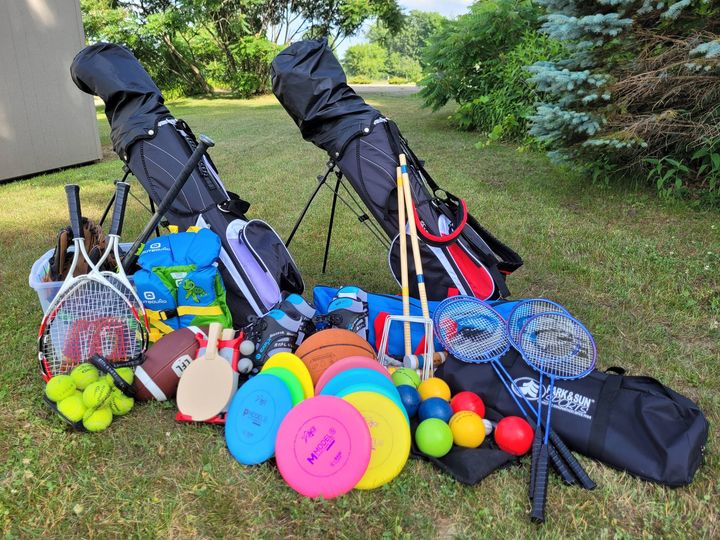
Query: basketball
{"x":326,"y":347}
{"x":158,"y":376}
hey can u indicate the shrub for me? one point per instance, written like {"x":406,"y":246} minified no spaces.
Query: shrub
{"x":366,"y":60}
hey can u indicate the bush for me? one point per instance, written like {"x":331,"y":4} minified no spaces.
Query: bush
{"x":366,"y":60}
{"x":359,"y":79}
{"x":399,"y":80}
{"x":477,"y":61}
{"x":399,"y":66}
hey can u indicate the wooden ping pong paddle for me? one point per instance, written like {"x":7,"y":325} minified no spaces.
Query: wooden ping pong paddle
{"x":207,"y":384}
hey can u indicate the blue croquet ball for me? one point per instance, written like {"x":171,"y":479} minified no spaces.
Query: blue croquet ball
{"x":410,"y":398}
{"x":435,"y":408}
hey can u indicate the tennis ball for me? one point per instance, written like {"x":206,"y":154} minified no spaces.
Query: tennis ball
{"x":84,"y":375}
{"x":406,"y":376}
{"x":60,"y":387}
{"x":120,"y":404}
{"x":434,"y":387}
{"x":72,"y":407}
{"x":125,"y":373}
{"x":96,"y":394}
{"x":97,"y":419}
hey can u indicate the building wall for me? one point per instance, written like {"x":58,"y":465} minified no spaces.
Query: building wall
{"x":45,"y":121}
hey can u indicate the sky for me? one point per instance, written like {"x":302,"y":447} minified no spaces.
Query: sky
{"x":449,"y":8}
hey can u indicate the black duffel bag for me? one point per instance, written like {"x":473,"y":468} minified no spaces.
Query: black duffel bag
{"x":634,"y":424}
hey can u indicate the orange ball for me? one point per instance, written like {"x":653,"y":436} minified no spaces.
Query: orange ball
{"x":468,"y":429}
{"x":434,"y":387}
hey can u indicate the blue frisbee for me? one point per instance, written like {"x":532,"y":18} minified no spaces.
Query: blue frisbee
{"x":254,"y":417}
{"x":358,"y":376}
{"x":392,"y":396}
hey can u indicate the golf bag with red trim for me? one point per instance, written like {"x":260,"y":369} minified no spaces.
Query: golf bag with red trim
{"x":255,"y":266}
{"x":459,"y":256}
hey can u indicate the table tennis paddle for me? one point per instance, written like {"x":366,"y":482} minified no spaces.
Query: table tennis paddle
{"x":207,"y":384}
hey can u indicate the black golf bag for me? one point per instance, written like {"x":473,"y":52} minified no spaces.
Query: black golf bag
{"x":459,"y":256}
{"x":255,"y":265}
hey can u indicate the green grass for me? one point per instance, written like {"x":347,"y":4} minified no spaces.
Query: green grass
{"x":642,"y":274}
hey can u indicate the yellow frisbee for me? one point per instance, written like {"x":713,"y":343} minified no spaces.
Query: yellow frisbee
{"x":296,"y":366}
{"x":390,"y":435}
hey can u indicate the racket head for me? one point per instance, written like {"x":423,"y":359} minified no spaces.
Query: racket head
{"x":557,"y":345}
{"x":91,"y":317}
{"x":524,"y":310}
{"x":205,"y":388}
{"x":470,"y":329}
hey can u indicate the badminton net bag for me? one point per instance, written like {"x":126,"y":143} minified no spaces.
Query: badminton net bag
{"x":255,"y":266}
{"x":459,"y":256}
{"x":631,"y":423}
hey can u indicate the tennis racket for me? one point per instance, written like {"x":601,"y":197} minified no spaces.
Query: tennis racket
{"x":559,"y":347}
{"x":474,"y":332}
{"x":516,"y":320}
{"x":89,"y":315}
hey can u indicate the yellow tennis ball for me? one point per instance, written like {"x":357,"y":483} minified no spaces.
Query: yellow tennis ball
{"x":60,"y":387}
{"x":97,"y":419}
{"x":96,"y":394}
{"x":84,"y":375}
{"x":434,"y":387}
{"x":120,"y":404}
{"x":72,"y":407}
{"x":468,"y":429}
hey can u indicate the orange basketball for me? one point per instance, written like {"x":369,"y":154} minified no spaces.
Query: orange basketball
{"x":328,"y":346}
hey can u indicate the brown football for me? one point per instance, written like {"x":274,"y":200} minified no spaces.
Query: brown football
{"x":158,"y":376}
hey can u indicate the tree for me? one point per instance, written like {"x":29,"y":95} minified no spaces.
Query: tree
{"x":366,"y":60}
{"x":411,"y":38}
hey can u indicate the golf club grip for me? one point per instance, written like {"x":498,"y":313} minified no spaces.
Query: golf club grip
{"x":573,"y":464}
{"x":73,"y":199}
{"x":537,"y":513}
{"x":537,"y":442}
{"x":203,"y":144}
{"x":121,"y":193}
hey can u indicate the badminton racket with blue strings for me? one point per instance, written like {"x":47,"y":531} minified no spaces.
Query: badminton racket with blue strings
{"x":474,"y":332}
{"x":557,"y":346}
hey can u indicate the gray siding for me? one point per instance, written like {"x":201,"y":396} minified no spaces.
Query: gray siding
{"x":45,"y":121}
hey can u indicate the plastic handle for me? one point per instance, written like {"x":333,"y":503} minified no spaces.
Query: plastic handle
{"x":122,"y":189}
{"x":537,"y":514}
{"x":73,"y":198}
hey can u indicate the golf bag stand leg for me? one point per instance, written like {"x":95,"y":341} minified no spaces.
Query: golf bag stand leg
{"x":321,"y":179}
{"x":332,"y":219}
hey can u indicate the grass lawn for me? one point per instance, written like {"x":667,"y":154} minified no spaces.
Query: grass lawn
{"x":642,"y":274}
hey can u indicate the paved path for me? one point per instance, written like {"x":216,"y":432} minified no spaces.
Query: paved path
{"x":393,"y":89}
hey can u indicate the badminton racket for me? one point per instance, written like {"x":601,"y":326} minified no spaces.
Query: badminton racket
{"x":559,"y":347}
{"x":89,"y":315}
{"x":474,"y":332}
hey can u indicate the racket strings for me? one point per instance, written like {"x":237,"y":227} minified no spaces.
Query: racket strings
{"x":557,"y":345}
{"x":526,"y":309}
{"x":471,"y":330}
{"x":91,"y":319}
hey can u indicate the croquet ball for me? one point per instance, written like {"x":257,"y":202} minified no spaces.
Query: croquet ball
{"x":514,"y":435}
{"x":410,"y":398}
{"x":468,"y":401}
{"x":406,"y":376}
{"x":468,"y":429}
{"x":435,"y":408}
{"x":434,"y":387}
{"x":434,"y":437}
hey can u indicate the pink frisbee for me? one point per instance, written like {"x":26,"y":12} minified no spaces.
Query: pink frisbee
{"x":323,"y":447}
{"x":350,"y":362}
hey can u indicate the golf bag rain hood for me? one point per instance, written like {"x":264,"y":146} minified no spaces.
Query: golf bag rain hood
{"x":255,"y":265}
{"x":459,"y":256}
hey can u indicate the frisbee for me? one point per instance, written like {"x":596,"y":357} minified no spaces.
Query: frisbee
{"x":254,"y":417}
{"x":394,"y":397}
{"x":357,"y":376}
{"x":390,"y":438}
{"x":323,"y":447}
{"x":350,"y":362}
{"x":296,"y":366}
{"x":292,"y":382}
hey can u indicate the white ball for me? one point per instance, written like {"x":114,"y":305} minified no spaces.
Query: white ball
{"x":244,"y":365}
{"x":488,"y":426}
{"x":247,"y":348}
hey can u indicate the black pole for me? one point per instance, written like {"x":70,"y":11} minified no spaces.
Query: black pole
{"x":321,"y":181}
{"x":185,"y":173}
{"x":332,"y":221}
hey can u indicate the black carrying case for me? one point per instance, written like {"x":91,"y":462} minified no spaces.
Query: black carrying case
{"x":634,"y":424}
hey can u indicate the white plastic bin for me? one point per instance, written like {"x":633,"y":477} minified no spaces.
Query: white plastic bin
{"x":46,"y":290}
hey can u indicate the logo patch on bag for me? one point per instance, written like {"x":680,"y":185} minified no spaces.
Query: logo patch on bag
{"x":563,"y":400}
